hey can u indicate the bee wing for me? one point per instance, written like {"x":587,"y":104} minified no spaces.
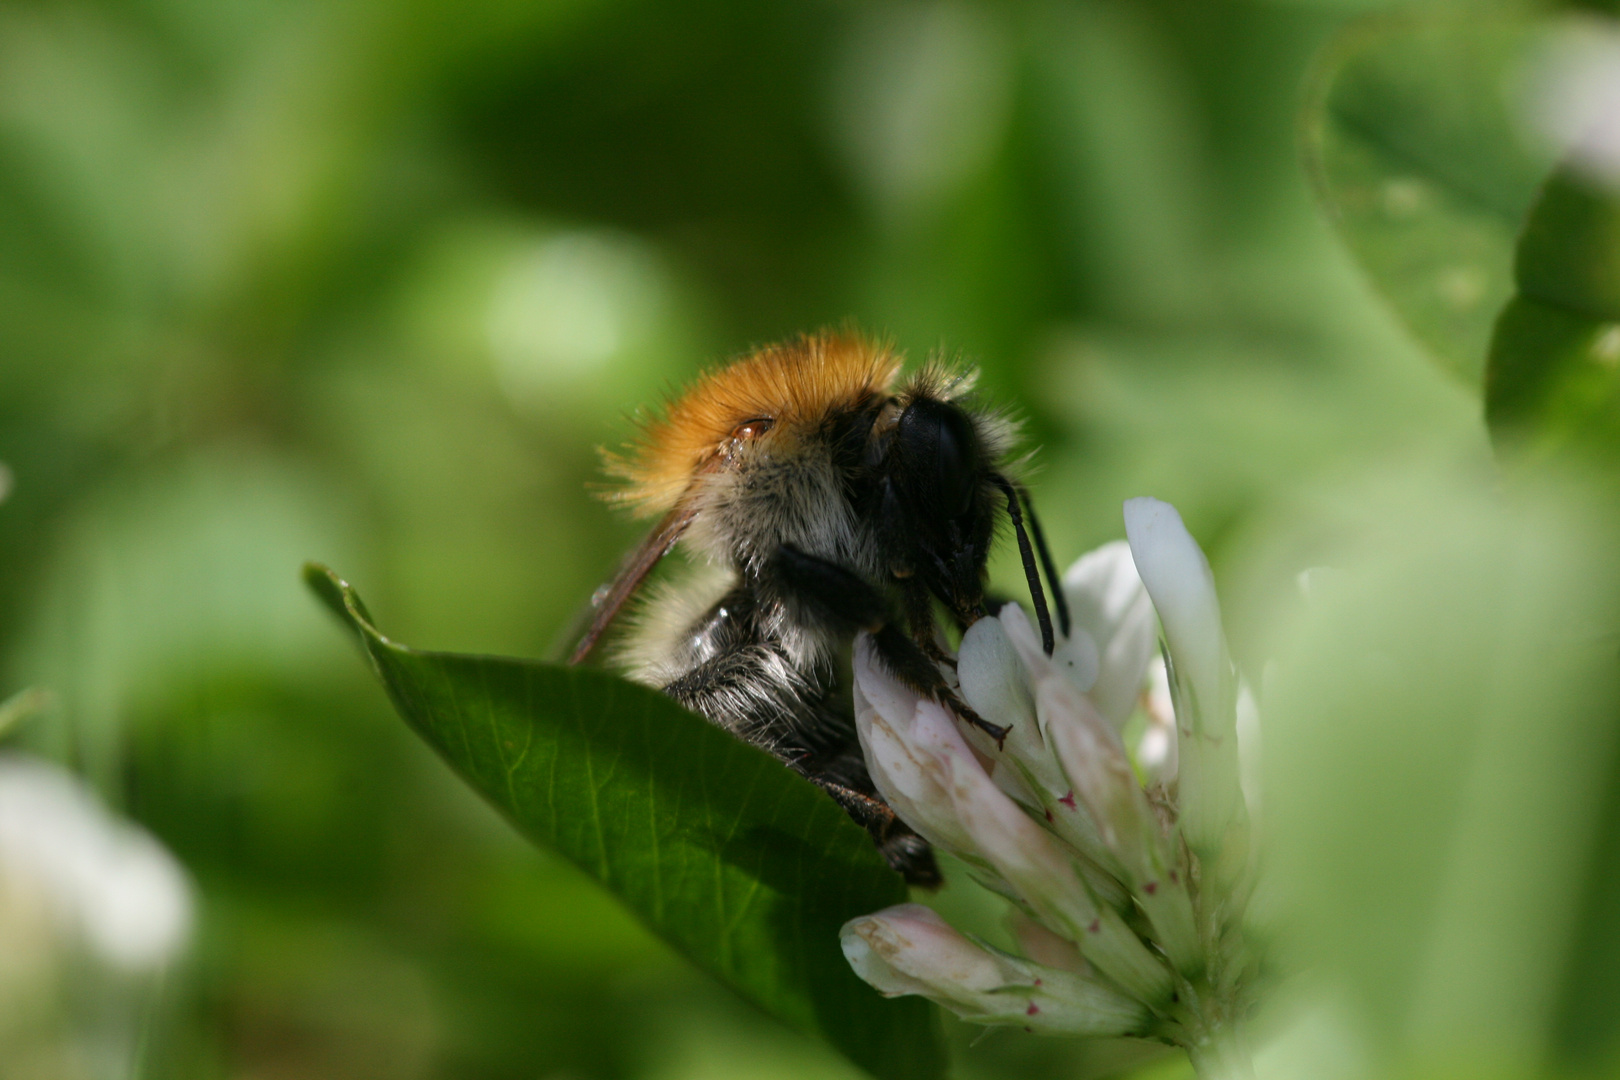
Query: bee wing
{"x":637,"y":565}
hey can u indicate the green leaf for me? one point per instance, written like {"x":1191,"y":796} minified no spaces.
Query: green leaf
{"x":746,"y":868}
{"x":1411,"y":147}
{"x":1553,"y":385}
{"x":1569,"y":255}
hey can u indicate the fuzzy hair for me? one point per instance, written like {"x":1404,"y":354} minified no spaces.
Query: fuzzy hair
{"x":783,"y":487}
{"x":954,"y":381}
{"x":795,"y":384}
{"x":663,"y":616}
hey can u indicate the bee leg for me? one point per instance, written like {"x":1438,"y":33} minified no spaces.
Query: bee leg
{"x":843,"y":601}
{"x":903,"y":849}
{"x":919,"y":605}
{"x":908,"y":663}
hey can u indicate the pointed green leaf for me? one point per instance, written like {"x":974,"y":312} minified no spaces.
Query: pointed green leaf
{"x":744,"y":867}
{"x":1411,"y":147}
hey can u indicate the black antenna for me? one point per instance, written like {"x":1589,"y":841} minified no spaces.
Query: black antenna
{"x":1032,"y":575}
{"x":1058,"y":600}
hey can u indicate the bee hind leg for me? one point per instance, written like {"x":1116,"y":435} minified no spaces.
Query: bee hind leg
{"x":919,"y":607}
{"x":903,"y":849}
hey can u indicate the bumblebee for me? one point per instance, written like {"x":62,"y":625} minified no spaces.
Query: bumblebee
{"x":823,"y":495}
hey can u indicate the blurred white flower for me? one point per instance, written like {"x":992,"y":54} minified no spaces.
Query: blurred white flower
{"x":92,"y":913}
{"x":1132,"y":897}
{"x":106,"y":884}
{"x":1571,"y":103}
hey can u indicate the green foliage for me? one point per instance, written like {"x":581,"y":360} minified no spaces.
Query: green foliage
{"x":368,"y":281}
{"x":1411,"y":145}
{"x":1440,"y":752}
{"x":1553,"y":385}
{"x":21,"y":706}
{"x":744,"y":867}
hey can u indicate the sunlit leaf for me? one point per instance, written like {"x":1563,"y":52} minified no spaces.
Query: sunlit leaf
{"x":1553,"y":387}
{"x":744,"y":867}
{"x":1411,"y":145}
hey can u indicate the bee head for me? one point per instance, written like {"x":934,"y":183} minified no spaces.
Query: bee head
{"x":938,"y":453}
{"x":936,"y":503}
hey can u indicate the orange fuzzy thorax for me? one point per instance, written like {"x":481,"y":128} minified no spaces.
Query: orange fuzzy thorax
{"x":796,"y":383}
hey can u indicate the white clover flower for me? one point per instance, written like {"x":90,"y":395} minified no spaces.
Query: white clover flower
{"x":1130,"y":897}
{"x":1570,"y":97}
{"x":106,"y":884}
{"x":93,"y":911}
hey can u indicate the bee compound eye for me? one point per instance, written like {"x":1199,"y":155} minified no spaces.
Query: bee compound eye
{"x":940,"y":452}
{"x":752,"y":429}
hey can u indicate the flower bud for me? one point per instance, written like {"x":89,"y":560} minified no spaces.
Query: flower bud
{"x":1156,"y":752}
{"x":1022,"y":852}
{"x":1035,"y":864}
{"x":908,"y":949}
{"x":995,"y":682}
{"x":1095,"y":762}
{"x":1100,"y":775}
{"x":910,"y":781}
{"x":1035,"y":759}
{"x":1045,"y":947}
{"x":992,"y":681}
{"x":1178,"y":578}
{"x":1109,"y":604}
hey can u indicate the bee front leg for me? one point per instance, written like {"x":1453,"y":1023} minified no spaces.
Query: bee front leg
{"x":919,"y":607}
{"x":840,"y":600}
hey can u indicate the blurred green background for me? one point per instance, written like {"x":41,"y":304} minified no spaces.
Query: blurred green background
{"x":367,"y":282}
